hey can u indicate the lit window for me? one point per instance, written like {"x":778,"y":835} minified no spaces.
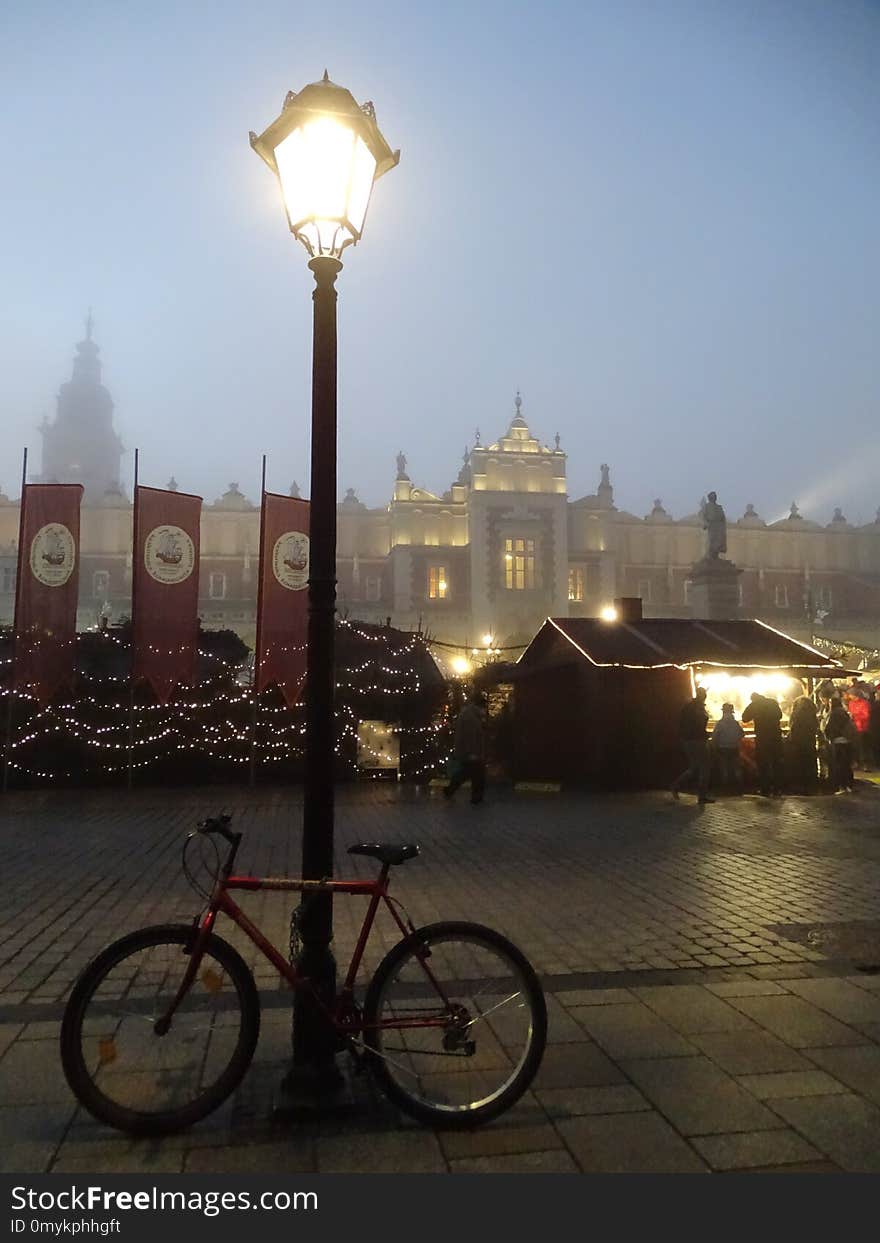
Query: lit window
{"x":217,"y":586}
{"x":688,"y":591}
{"x":372,"y":588}
{"x":519,"y":564}
{"x":781,"y":596}
{"x":645,"y":589}
{"x":576,"y":583}
{"x":100,"y":584}
{"x":437,"y":582}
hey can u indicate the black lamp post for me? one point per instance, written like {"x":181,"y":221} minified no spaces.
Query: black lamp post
{"x":326,"y":151}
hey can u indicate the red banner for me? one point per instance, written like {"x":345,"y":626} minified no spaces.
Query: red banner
{"x":165,"y":589}
{"x":283,"y":598}
{"x":47,"y":587}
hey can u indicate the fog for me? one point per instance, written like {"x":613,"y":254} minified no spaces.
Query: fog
{"x":657,"y":221}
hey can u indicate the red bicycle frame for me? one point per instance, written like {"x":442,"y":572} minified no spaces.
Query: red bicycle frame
{"x":343,"y":1018}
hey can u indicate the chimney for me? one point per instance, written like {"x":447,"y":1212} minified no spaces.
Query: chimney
{"x":629,"y":608}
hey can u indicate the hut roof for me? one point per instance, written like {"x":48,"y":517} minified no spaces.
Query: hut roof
{"x":658,"y":642}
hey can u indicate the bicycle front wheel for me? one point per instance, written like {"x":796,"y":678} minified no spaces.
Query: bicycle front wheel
{"x":129,"y":1072}
{"x":457,"y":1022}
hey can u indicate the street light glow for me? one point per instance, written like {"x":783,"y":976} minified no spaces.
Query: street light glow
{"x":326,"y":151}
{"x":487,"y":640}
{"x":609,"y":613}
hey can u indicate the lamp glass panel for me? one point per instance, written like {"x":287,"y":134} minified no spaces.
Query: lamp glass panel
{"x":314,"y":164}
{"x":363,"y":170}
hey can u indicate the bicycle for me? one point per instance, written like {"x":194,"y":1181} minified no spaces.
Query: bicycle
{"x":453,"y":1023}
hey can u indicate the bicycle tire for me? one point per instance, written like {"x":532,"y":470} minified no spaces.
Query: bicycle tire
{"x":417,"y":1101}
{"x":82,"y":1079}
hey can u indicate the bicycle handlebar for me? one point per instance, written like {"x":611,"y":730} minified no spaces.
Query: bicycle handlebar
{"x":220,"y":825}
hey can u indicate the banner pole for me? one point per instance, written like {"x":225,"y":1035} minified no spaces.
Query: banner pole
{"x":254,"y":694}
{"x":11,"y":686}
{"x":134,"y":545}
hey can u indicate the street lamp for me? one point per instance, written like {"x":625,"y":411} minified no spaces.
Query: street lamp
{"x":326,"y":151}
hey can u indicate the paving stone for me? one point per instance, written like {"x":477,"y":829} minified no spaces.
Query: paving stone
{"x":30,"y":1136}
{"x":633,"y":1030}
{"x":297,"y":1157}
{"x":594,"y":996}
{"x":791,"y":1083}
{"x":642,"y":1143}
{"x":576,"y":1065}
{"x":497,"y":1139}
{"x":858,"y":1067}
{"x":796,"y":1022}
{"x":750,"y":1149}
{"x":8,"y":1033}
{"x":416,"y":1152}
{"x":745,"y":988}
{"x":30,"y":1073}
{"x":697,"y":1097}
{"x":689,"y":1008}
{"x":557,"y":1161}
{"x":574,"y":1102}
{"x":845,"y":1128}
{"x":123,"y":1157}
{"x":839,"y":998}
{"x":749,"y":1052}
{"x":561,"y":1027}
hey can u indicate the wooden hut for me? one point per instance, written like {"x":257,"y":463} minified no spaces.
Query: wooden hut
{"x":597,"y":702}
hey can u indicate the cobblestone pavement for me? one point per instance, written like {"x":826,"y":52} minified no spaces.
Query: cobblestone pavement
{"x":713,"y":975}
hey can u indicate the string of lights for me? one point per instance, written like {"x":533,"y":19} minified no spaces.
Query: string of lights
{"x":97,"y":733}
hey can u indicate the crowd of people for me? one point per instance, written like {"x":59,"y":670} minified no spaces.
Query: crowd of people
{"x":830,"y":735}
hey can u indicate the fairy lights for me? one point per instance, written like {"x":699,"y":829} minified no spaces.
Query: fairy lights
{"x":88,"y":733}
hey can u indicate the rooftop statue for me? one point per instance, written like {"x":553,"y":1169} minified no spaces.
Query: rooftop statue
{"x":401,"y":465}
{"x":715,"y":526}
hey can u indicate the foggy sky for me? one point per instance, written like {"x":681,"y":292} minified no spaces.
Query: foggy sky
{"x":658,"y":220}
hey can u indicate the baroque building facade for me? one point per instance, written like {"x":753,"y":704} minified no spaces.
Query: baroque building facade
{"x":495,"y":553}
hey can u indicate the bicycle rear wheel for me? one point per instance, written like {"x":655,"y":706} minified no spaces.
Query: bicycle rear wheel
{"x":456,"y":1021}
{"x":127,"y":1074}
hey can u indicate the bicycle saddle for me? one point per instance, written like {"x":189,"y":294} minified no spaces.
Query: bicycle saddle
{"x":385,"y":852}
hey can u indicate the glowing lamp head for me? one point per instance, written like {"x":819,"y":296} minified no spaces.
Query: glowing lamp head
{"x":461,"y":666}
{"x":487,"y":640}
{"x":326,"y":151}
{"x":609,"y":613}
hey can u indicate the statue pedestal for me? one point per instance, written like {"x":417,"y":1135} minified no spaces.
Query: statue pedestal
{"x":714,"y":589}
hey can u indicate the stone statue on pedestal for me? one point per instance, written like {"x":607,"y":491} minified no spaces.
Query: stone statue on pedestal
{"x":401,"y":466}
{"x":715,"y":526}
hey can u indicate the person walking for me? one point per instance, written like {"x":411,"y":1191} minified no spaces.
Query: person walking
{"x":726,"y":737}
{"x":803,"y":727}
{"x":766,"y":716}
{"x":469,"y":749}
{"x":840,"y":732}
{"x":692,"y":724}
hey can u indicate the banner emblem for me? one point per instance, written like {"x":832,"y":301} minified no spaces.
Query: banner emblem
{"x":53,"y":555}
{"x":169,"y":555}
{"x":290,"y":560}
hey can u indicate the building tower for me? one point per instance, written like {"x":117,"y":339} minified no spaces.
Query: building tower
{"x":81,"y":445}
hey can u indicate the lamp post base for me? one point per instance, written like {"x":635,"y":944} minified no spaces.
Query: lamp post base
{"x":311,"y":1091}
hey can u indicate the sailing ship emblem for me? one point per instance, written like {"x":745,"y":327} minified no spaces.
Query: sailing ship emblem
{"x":169,"y":554}
{"x":169,"y":549}
{"x":53,"y":555}
{"x":290,"y":560}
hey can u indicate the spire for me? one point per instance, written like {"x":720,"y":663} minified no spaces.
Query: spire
{"x":518,"y":420}
{"x":86,"y":365}
{"x":294,"y":489}
{"x":172,"y":484}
